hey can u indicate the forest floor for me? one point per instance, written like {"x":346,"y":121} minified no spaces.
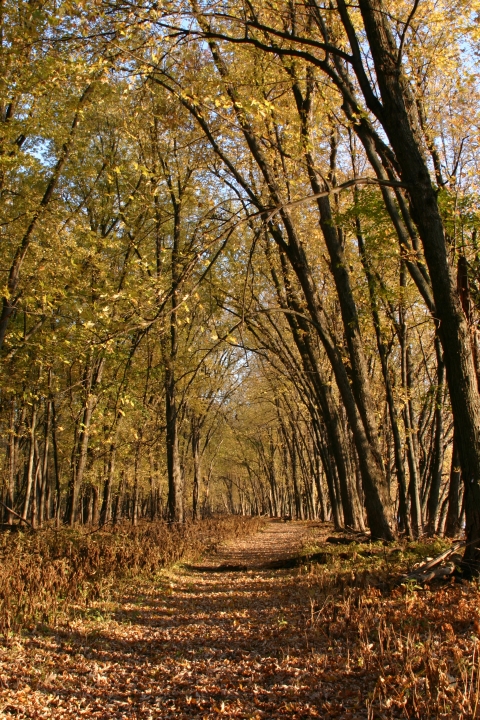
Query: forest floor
{"x":226,"y":637}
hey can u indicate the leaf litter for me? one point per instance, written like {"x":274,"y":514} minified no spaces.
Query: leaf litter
{"x":317,"y":641}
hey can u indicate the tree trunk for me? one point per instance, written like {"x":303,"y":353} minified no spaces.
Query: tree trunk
{"x":398,"y":117}
{"x":135,"y":498}
{"x":301,"y":333}
{"x":93,"y":378}
{"x":196,"y":466}
{"x":94,"y":505}
{"x":170,"y":350}
{"x":297,"y":494}
{"x":437,"y":466}
{"x":408,"y":419}
{"x":30,"y":470}
{"x":107,"y":488}
{"x":44,"y":472}
{"x":12,"y":446}
{"x":452,"y":525}
{"x":392,"y":410}
{"x":57,"y":502}
{"x":175,"y":480}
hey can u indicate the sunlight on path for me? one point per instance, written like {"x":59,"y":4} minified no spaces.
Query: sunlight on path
{"x":194,"y":645}
{"x":277,"y":540}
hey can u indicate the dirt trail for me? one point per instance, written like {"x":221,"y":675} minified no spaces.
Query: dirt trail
{"x":277,"y":540}
{"x":199,"y":644}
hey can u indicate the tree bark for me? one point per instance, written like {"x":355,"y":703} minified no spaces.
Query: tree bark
{"x":107,"y":488}
{"x":44,"y":472}
{"x":437,"y":465}
{"x":452,"y":524}
{"x":196,"y":466}
{"x":30,"y":468}
{"x":12,"y":462}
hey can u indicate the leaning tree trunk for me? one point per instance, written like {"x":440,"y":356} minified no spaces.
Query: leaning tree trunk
{"x":398,"y":116}
{"x":324,"y":399}
{"x":392,"y":410}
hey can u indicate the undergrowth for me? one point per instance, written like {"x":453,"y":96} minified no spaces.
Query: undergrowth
{"x":42,"y":574}
{"x":418,"y":646}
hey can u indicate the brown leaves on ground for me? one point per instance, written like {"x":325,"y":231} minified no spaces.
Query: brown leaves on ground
{"x":311,"y":642}
{"x":43,"y":573}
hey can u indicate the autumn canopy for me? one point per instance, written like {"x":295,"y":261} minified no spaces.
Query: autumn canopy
{"x":240,"y":263}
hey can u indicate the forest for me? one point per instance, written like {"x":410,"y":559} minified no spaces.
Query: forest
{"x":241,"y":299}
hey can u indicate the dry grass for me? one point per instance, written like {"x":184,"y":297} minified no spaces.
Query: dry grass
{"x":42,"y":574}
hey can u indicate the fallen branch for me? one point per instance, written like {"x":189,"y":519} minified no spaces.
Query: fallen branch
{"x":22,"y":519}
{"x":340,"y":541}
{"x":434,"y":568}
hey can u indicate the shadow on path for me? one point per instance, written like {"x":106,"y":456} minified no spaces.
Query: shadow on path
{"x":199,"y":643}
